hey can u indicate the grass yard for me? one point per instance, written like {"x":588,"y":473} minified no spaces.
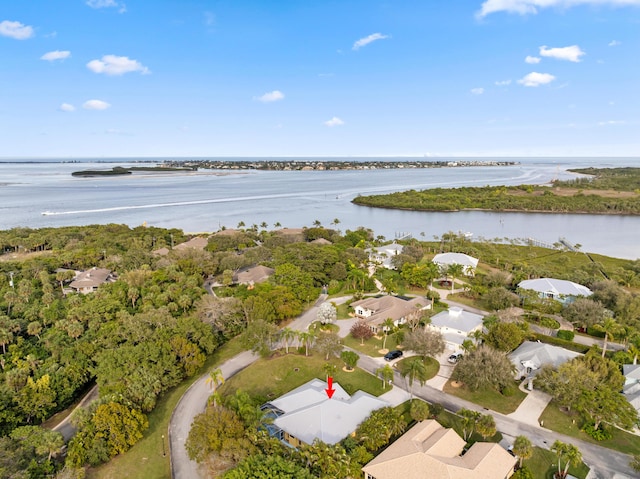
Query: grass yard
{"x":145,"y":460}
{"x":488,"y":398}
{"x":271,"y":378}
{"x":371,"y":346}
{"x":557,"y":420}
{"x":544,"y":463}
{"x":432,"y":366}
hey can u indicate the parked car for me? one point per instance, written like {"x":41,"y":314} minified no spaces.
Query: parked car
{"x":454,"y":358}
{"x":391,"y":355}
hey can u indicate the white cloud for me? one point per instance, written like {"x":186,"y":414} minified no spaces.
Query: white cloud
{"x":477,"y":91}
{"x":536,"y":79}
{"x":275,"y":95}
{"x":532,"y":60}
{"x":572,"y":53}
{"x":524,"y":7}
{"x":614,"y":43}
{"x":114,"y":65}
{"x":611,"y":122}
{"x":56,"y":55}
{"x":15,"y":30}
{"x":66,"y":107}
{"x":366,"y":40}
{"x":95,"y":105}
{"x":122,"y":8}
{"x":503,"y":83}
{"x":335,"y":121}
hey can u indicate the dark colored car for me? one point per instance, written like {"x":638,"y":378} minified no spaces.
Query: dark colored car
{"x":391,"y":355}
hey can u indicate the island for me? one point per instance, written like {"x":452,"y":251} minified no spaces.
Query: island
{"x":120,"y":170}
{"x":599,"y":191}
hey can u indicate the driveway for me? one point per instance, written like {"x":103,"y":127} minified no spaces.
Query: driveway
{"x":444,"y":373}
{"x":531,"y":408}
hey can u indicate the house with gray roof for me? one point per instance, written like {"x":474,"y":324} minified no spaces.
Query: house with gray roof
{"x":558,"y":289}
{"x":631,"y":388}
{"x":530,"y":356}
{"x":430,"y":451}
{"x":456,"y":325}
{"x":468,"y":263}
{"x":375,"y":310}
{"x":307,"y":413}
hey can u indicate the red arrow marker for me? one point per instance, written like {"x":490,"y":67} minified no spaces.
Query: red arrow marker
{"x":330,"y":389}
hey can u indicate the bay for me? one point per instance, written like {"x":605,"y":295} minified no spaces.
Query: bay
{"x":208,"y":200}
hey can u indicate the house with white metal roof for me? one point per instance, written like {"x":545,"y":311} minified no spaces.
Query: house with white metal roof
{"x":384,"y":254}
{"x":558,"y":289}
{"x":455,"y":325}
{"x":430,"y":451}
{"x":89,"y":281}
{"x":631,"y":388}
{"x":307,"y":413}
{"x":468,"y":263}
{"x":530,"y":356}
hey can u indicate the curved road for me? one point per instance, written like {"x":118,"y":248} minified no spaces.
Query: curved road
{"x":605,"y":463}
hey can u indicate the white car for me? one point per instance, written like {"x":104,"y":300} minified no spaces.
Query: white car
{"x":454,"y":358}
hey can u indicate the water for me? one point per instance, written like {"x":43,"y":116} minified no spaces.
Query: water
{"x":205,"y":201}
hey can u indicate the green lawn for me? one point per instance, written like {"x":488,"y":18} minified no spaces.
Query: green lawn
{"x":371,"y":346}
{"x":557,"y":420}
{"x":271,"y":378}
{"x":145,"y":460}
{"x":432,"y":365}
{"x":544,"y":463}
{"x":488,"y":398}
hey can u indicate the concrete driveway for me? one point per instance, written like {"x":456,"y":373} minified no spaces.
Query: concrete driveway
{"x":444,"y":373}
{"x":531,"y":408}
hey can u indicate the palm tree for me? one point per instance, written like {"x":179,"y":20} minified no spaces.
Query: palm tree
{"x":454,"y":270}
{"x":570,"y":453}
{"x":610,"y":328}
{"x":522,"y":448}
{"x":469,"y":421}
{"x":486,"y":426}
{"x":306,"y":338}
{"x":414,"y":369}
{"x":387,"y":325}
{"x":214,"y":380}
{"x":635,"y":352}
{"x":386,"y":374}
{"x":287,"y":335}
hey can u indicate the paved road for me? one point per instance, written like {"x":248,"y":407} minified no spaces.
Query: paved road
{"x":192,"y":403}
{"x":65,"y":427}
{"x":605,"y":462}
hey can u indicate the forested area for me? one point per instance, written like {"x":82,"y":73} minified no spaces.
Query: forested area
{"x":140,"y":335}
{"x":614,"y":191}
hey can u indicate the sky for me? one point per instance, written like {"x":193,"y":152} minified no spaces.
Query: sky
{"x":271,"y":78}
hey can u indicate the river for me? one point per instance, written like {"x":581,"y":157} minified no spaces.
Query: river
{"x":205,"y":201}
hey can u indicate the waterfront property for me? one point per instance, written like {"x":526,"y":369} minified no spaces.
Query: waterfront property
{"x":89,"y":281}
{"x":375,"y":310}
{"x":430,"y":451}
{"x":559,"y":289}
{"x":468,"y":263}
{"x":456,"y":325}
{"x":307,"y":413}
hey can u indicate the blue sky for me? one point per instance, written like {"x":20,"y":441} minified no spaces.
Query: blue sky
{"x":105,"y":78}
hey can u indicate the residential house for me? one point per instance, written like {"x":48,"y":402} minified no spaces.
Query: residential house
{"x":194,"y":243}
{"x":88,"y":281}
{"x":456,"y":325}
{"x":430,"y":451}
{"x":631,"y":388}
{"x":530,"y":356}
{"x":558,"y":289}
{"x":253,"y":275}
{"x":375,"y":310}
{"x":307,"y":413}
{"x":321,"y":241}
{"x":384,"y":254}
{"x":468,"y":263}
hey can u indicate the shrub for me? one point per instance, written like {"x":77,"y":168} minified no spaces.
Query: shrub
{"x":566,"y":335}
{"x":522,"y":473}
{"x":592,"y":331}
{"x":600,"y":434}
{"x":549,"y":323}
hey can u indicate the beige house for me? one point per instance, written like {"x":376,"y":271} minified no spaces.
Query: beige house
{"x":375,"y":310}
{"x":253,"y":275}
{"x":429,"y":451}
{"x":88,"y":281}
